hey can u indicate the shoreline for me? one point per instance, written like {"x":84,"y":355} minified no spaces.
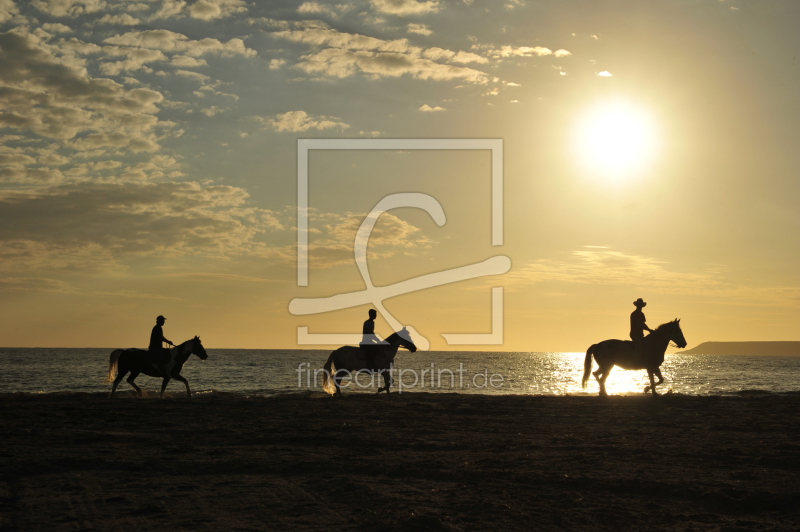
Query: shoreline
{"x":411,"y":461}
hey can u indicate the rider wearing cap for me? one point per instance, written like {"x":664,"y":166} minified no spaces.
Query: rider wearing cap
{"x":638,"y":325}
{"x":156,"y":349}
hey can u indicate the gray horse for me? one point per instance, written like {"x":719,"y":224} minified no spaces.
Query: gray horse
{"x":622,"y":353}
{"x":349,"y":359}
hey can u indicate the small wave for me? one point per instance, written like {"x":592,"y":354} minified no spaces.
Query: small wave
{"x":753,"y":392}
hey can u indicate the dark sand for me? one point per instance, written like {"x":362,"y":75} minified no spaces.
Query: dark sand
{"x":406,"y":462}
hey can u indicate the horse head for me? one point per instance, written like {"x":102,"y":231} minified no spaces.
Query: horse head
{"x":676,"y":334}
{"x":198,"y":349}
{"x":403,"y":339}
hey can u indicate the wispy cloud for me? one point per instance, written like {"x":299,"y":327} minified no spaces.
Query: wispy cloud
{"x":405,"y":7}
{"x":421,"y":29}
{"x":297,"y":121}
{"x":345,"y":54}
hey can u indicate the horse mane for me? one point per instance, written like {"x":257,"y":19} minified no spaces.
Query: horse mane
{"x":401,"y":335}
{"x":665,"y":325}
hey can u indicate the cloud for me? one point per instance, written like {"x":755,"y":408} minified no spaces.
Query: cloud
{"x":135,"y":59}
{"x":521,"y":51}
{"x":331,"y":239}
{"x":186,"y":61}
{"x":123,"y":20}
{"x":340,"y":63}
{"x":562,"y":53}
{"x":604,"y":74}
{"x":315,"y":8}
{"x":349,"y":53}
{"x":68,"y":8}
{"x":428,"y":109}
{"x":596,"y":265}
{"x":55,"y":28}
{"x":421,"y":29}
{"x":319,"y":34}
{"x":297,"y":121}
{"x":214,"y":9}
{"x":7,"y":10}
{"x":49,"y":93}
{"x":437,"y":54}
{"x":169,"y":9}
{"x":405,"y":7}
{"x":168,"y":41}
{"x":275,"y":64}
{"x":211,"y":111}
{"x":92,"y":225}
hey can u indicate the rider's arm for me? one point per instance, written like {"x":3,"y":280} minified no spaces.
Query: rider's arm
{"x":164,"y":339}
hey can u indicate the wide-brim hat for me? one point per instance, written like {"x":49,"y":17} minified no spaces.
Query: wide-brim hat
{"x":640,"y":303}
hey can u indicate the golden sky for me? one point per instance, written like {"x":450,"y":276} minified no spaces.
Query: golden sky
{"x":148,"y":166}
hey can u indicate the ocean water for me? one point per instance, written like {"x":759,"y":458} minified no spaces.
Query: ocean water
{"x":269,"y":372}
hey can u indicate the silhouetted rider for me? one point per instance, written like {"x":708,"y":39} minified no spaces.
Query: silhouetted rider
{"x":158,"y":354}
{"x":638,"y":325}
{"x":370,"y":342}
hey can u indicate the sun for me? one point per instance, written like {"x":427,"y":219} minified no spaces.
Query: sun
{"x":615,"y":140}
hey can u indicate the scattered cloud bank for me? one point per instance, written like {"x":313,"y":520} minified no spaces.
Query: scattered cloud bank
{"x":48,"y":92}
{"x":597,"y":265}
{"x":93,"y":226}
{"x":344,"y":54}
{"x":331,"y":239}
{"x":428,"y":109}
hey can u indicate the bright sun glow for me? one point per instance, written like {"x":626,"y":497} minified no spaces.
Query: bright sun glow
{"x":616,"y":140}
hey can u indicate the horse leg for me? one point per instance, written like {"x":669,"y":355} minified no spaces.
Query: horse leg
{"x":184,"y":381}
{"x":336,"y":380}
{"x":657,"y":371}
{"x":164,"y":386}
{"x":652,"y":386}
{"x":602,"y":380}
{"x":120,"y":374}
{"x":380,"y":388}
{"x":387,"y":380}
{"x":130,"y":381}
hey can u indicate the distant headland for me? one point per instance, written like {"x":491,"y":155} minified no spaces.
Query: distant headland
{"x":783,"y":349}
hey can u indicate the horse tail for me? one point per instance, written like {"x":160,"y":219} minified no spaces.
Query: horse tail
{"x":587,"y":365}
{"x":327,"y":380}
{"x":113,"y":362}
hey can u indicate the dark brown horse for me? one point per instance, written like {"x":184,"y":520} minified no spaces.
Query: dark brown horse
{"x":138,"y":361}
{"x":350,"y":359}
{"x":622,"y":353}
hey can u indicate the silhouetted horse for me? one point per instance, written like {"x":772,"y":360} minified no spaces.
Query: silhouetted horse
{"x":622,"y":353}
{"x":350,"y":359}
{"x":140,"y":361}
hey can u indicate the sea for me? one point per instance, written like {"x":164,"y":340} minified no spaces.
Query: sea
{"x":269,"y":372}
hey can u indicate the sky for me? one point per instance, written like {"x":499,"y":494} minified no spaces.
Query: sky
{"x":149,"y":165}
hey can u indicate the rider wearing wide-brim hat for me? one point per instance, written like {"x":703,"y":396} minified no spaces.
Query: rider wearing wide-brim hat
{"x":638,"y":325}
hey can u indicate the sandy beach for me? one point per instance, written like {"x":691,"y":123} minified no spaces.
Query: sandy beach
{"x":402,"y":462}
